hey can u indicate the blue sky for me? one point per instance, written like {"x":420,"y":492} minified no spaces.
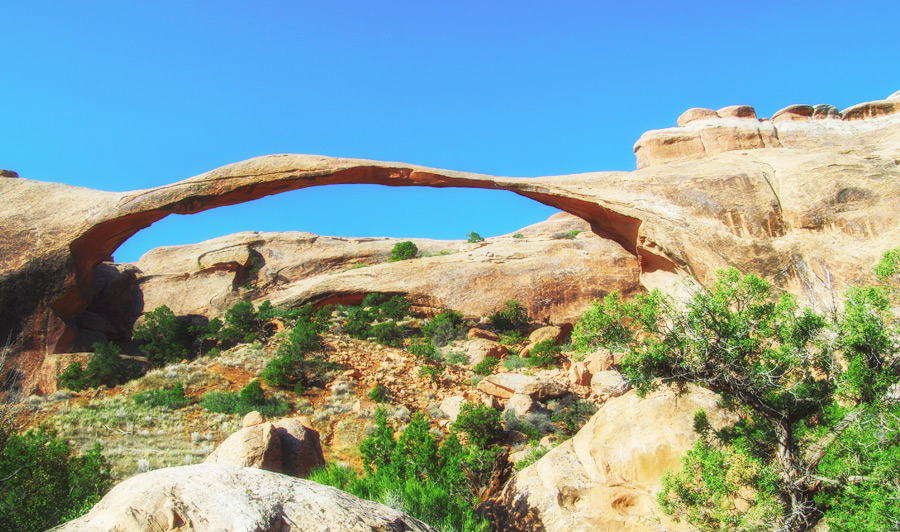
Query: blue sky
{"x":123,"y":95}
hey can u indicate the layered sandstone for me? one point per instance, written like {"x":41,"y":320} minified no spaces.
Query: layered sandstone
{"x":556,"y":279}
{"x":807,"y":202}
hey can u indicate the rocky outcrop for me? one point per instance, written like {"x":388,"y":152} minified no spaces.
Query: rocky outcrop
{"x":211,"y":498}
{"x":285,"y":446}
{"x":556,"y":279}
{"x":796,"y":201}
{"x":607,"y":476}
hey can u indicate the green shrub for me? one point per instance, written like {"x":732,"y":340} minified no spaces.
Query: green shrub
{"x":566,"y":236}
{"x":163,"y":337}
{"x":457,"y":358}
{"x":518,"y":235}
{"x":395,"y":308}
{"x":44,"y":485}
{"x":172,"y":398}
{"x":514,"y":362}
{"x":253,"y":394}
{"x":444,"y":328}
{"x":536,"y":454}
{"x":379,"y":394}
{"x":403,"y":251}
{"x":425,"y":350}
{"x":231,"y":403}
{"x":480,"y":422}
{"x":298,"y":360}
{"x":543,"y":353}
{"x":474,"y":237}
{"x":423,"y":477}
{"x":106,"y":368}
{"x":432,"y":372}
{"x":513,"y":316}
{"x":572,"y":417}
{"x":387,"y":333}
{"x":486,"y":366}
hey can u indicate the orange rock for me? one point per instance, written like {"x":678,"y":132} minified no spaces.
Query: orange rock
{"x":695,"y":113}
{"x":476,"y":332}
{"x":737,"y":111}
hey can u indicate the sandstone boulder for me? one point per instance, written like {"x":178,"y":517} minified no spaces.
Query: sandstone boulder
{"x":479,"y":348}
{"x":252,"y":419}
{"x":521,"y":405}
{"x":579,"y":375}
{"x":694,"y":114}
{"x":286,"y":446}
{"x":607,"y":476}
{"x":602,"y":360}
{"x":213,"y":498}
{"x":737,"y":111}
{"x":867,"y":110}
{"x":476,"y":332}
{"x":8,"y":173}
{"x":451,"y":406}
{"x":793,"y":112}
{"x":505,"y":385}
{"x":825,"y":111}
{"x":609,"y":383}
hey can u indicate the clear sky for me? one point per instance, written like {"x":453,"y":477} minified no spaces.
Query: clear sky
{"x":120,"y":95}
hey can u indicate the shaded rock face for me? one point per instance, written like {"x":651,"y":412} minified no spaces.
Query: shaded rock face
{"x":793,"y":201}
{"x":556,"y":279}
{"x":607,"y":476}
{"x":209,"y":497}
{"x":285,"y":446}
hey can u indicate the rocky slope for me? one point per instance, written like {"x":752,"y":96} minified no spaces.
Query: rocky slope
{"x":819,"y":203}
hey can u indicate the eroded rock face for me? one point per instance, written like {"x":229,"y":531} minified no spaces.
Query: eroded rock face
{"x":212,"y":498}
{"x":607,"y":476}
{"x":793,"y":201}
{"x":556,"y":279}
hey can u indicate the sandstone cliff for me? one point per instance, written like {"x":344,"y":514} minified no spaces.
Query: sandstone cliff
{"x":820,"y":203}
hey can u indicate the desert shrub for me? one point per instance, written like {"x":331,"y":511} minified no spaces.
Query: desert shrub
{"x":233,"y":403}
{"x":456,"y":358}
{"x":387,"y":333}
{"x":432,"y":372}
{"x":413,"y":472}
{"x":514,"y":362}
{"x":543,"y":353}
{"x":425,"y":350}
{"x":171,"y":398}
{"x":480,"y":422}
{"x":518,"y":235}
{"x":299,"y":359}
{"x":44,"y":484}
{"x":163,"y":337}
{"x":106,"y":368}
{"x":253,"y":394}
{"x":572,"y":417}
{"x":513,"y":316}
{"x":486,"y":366}
{"x":403,"y":251}
{"x":474,"y":237}
{"x":533,"y":424}
{"x":536,"y":454}
{"x":242,"y":324}
{"x":379,"y":394}
{"x":395,"y":308}
{"x":566,"y":236}
{"x":444,"y":328}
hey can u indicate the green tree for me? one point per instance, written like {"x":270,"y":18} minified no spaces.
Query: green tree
{"x":163,"y":337}
{"x":107,"y":367}
{"x":474,"y":237}
{"x":403,"y":251}
{"x":774,"y":363}
{"x":513,"y":316}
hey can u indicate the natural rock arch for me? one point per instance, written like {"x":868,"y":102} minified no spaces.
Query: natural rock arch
{"x":776,"y":211}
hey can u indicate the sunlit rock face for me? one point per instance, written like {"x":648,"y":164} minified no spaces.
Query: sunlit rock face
{"x":805,"y":197}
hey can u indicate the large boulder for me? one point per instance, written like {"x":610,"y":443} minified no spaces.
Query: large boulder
{"x":505,"y":385}
{"x":285,"y":446}
{"x":607,"y":476}
{"x":215,"y":498}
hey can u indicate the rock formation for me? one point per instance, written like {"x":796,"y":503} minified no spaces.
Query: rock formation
{"x":208,"y":498}
{"x":285,"y":446}
{"x":805,"y":198}
{"x":556,"y":279}
{"x":607,"y":476}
